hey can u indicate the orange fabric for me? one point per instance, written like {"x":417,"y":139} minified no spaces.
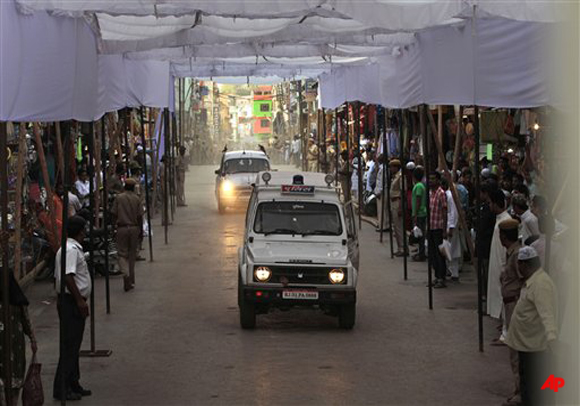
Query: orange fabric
{"x":45,"y":220}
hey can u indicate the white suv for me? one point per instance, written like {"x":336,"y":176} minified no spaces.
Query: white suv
{"x":237,"y":173}
{"x":300,"y":248}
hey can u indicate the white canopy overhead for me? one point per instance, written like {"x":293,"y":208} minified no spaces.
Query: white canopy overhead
{"x":393,"y":52}
{"x":50,"y":71}
{"x":250,"y":80}
{"x":396,"y":15}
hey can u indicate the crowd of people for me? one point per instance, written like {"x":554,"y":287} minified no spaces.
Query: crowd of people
{"x":513,"y":224}
{"x":125,"y":199}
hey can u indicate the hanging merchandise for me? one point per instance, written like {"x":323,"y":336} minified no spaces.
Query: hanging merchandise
{"x":492,"y":125}
{"x":79,"y":149}
{"x":392,"y":143}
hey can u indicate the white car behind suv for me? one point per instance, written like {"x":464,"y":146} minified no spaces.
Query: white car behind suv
{"x":237,"y":172}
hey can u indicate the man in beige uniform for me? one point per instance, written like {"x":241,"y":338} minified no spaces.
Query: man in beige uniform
{"x":511,"y":285}
{"x":180,"y":169}
{"x":312,"y":156}
{"x":396,"y":205}
{"x":128,"y":212}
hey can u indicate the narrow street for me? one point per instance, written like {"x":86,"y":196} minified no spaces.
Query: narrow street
{"x":176,"y":338}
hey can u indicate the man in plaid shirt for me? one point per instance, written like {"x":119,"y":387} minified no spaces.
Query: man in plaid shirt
{"x":437,"y":227}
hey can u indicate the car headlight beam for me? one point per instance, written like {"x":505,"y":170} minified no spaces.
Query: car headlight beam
{"x":227,"y":186}
{"x":336,"y":276}
{"x":262,"y":274}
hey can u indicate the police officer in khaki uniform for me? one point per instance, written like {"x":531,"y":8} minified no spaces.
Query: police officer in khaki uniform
{"x":312,"y":156}
{"x":128,"y":212}
{"x":180,"y":169}
{"x":396,"y":205}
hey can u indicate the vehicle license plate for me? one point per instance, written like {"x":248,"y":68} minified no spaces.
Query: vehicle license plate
{"x":300,"y":294}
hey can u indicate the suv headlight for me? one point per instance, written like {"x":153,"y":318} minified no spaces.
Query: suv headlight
{"x":336,"y":276}
{"x":262,"y":274}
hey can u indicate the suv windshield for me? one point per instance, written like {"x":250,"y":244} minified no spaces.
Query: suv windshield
{"x":232,"y":166}
{"x":298,"y":218}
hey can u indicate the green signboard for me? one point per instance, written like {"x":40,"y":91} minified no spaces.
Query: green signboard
{"x":262,"y":108}
{"x":489,"y":152}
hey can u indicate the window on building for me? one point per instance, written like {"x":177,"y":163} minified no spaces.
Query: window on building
{"x":264,"y":108}
{"x":265,"y":123}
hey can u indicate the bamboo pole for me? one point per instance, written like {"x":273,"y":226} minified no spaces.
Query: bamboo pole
{"x":166,"y":173}
{"x":7,"y":344}
{"x":337,"y":147}
{"x":155,"y":152}
{"x":125,"y":140}
{"x":172,"y":137}
{"x":387,"y":188}
{"x":147,"y":198}
{"x":97,"y":196}
{"x":478,"y":263}
{"x":427,"y":152}
{"x":18,"y":200}
{"x":106,"y":218}
{"x":324,"y":152}
{"x":403,"y":202}
{"x":442,"y":162}
{"x":318,"y":131}
{"x":347,"y":195}
{"x":560,"y":196}
{"x":131,"y":146}
{"x":458,"y":137}
{"x":360,"y":165}
{"x":462,"y":218}
{"x":63,"y":252}
{"x":113,"y":145}
{"x":45,"y":177}
{"x":93,"y":209}
{"x":59,"y":152}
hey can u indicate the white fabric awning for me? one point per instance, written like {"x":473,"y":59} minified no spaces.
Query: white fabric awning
{"x":392,"y":14}
{"x":50,"y":71}
{"x":397,"y":53}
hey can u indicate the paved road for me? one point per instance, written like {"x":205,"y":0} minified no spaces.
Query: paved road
{"x":176,"y":338}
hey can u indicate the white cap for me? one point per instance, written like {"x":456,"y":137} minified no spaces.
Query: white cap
{"x":410,"y":165}
{"x":485,"y":172}
{"x":526,"y":253}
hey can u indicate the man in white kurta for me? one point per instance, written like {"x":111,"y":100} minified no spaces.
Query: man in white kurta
{"x":497,"y":257}
{"x":453,"y":234}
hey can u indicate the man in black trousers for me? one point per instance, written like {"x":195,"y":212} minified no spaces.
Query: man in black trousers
{"x":72,"y":311}
{"x":437,"y":228}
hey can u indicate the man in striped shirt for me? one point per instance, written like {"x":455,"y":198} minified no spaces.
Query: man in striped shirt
{"x":437,"y":227}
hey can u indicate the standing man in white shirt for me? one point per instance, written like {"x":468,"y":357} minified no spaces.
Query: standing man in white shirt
{"x":372,"y":171}
{"x":83,"y":187}
{"x":453,"y":235}
{"x":72,"y":311}
{"x":74,"y":204}
{"x":296,"y":158}
{"x":382,"y":208}
{"x":529,"y":222}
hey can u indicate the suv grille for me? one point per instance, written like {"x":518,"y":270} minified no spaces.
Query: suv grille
{"x":301,"y":275}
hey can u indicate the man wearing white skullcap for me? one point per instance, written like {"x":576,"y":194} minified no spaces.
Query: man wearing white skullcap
{"x":533,"y":329}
